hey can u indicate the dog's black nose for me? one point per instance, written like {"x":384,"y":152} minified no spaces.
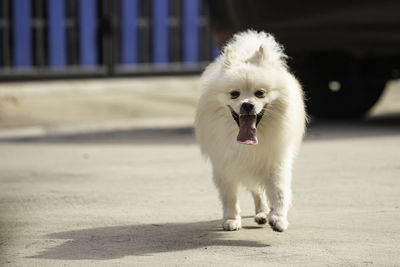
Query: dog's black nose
{"x":246,"y":108}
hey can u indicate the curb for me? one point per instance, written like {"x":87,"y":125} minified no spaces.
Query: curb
{"x":142,"y":127}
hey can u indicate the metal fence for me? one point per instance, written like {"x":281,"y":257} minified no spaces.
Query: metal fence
{"x":70,"y":38}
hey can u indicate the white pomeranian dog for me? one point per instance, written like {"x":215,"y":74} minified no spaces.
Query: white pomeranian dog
{"x":250,"y":121}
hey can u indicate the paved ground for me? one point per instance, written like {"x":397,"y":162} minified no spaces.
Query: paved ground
{"x":137,"y":197}
{"x":64,"y":107}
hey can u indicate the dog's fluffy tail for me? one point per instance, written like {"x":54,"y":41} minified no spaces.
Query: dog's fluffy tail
{"x":245,"y":44}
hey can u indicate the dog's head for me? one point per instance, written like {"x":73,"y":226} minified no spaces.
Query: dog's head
{"x":248,"y":88}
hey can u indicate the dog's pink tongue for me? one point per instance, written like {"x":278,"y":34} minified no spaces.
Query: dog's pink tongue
{"x":247,"y":130}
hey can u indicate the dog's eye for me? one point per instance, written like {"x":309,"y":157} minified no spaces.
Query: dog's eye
{"x":259,"y":94}
{"x":234,"y":94}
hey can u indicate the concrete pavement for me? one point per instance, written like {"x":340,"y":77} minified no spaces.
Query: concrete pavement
{"x":43,"y":109}
{"x":54,"y":108}
{"x":143,"y":198}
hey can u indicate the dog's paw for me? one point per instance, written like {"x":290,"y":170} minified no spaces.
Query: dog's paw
{"x":232,"y":224}
{"x":261,"y":218}
{"x":278,"y":223}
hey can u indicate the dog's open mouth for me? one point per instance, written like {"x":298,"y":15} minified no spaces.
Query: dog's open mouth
{"x":247,"y":127}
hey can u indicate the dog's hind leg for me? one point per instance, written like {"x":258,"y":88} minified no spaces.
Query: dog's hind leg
{"x":228,"y":191}
{"x":260,"y":204}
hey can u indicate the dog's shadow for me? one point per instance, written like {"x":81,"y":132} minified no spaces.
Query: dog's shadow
{"x":140,"y":240}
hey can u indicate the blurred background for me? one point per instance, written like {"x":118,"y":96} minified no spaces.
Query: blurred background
{"x":343,"y":53}
{"x":66,"y":46}
{"x":102,"y":38}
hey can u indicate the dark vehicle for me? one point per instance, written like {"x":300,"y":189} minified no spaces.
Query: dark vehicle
{"x":343,"y":52}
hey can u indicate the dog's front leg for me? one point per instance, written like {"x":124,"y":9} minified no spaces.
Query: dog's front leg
{"x":279,"y":194}
{"x":260,"y":204}
{"x":228,"y":191}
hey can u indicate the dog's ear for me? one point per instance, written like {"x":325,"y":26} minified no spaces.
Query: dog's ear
{"x":230,"y":56}
{"x":259,"y":57}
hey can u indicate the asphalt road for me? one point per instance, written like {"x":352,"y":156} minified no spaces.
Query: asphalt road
{"x":145,"y":198}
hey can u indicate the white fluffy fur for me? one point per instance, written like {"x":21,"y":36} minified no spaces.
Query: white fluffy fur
{"x":251,"y":61}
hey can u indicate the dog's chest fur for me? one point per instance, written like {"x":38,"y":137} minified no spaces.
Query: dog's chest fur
{"x":243,"y":161}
